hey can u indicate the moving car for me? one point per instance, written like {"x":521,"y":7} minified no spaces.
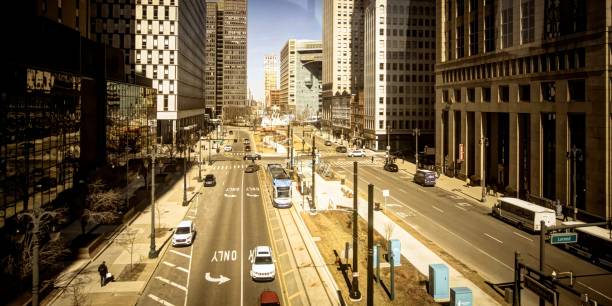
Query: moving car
{"x":391,"y":167}
{"x":227,"y":148}
{"x":262,"y":265}
{"x":269,"y":298}
{"x":210,"y":180}
{"x":246,"y":141}
{"x":425,"y":177}
{"x":247,"y":148}
{"x":328,"y":143}
{"x":251,"y":168}
{"x":341,"y":149}
{"x":184,"y":234}
{"x":252,"y":156}
{"x":357,"y":153}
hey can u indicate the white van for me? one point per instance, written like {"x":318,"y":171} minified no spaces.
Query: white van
{"x":523,"y":214}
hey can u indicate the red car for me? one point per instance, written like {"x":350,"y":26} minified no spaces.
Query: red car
{"x":269,"y":298}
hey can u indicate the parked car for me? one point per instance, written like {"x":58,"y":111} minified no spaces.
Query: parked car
{"x":425,"y":177}
{"x":269,"y":298}
{"x":357,"y":153}
{"x":341,"y":149}
{"x":210,"y":180}
{"x":328,"y":143}
{"x":227,"y":148}
{"x":247,"y":141}
{"x":252,"y":156}
{"x":391,"y":167}
{"x":251,"y":168}
{"x":247,"y":148}
{"x":45,"y":183}
{"x":184,"y":234}
{"x":262,"y":265}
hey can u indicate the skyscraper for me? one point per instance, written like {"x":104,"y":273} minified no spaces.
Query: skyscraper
{"x":301,"y":77}
{"x":270,"y":76}
{"x":342,"y":63}
{"x":523,"y":99}
{"x":399,"y":73}
{"x":170,"y":51}
{"x":230,"y":26}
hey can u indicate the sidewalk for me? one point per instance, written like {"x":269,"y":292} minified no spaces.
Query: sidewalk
{"x":330,"y":196}
{"x":81,"y":281}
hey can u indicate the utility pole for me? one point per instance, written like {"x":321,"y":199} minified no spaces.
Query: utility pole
{"x":152,"y":250}
{"x":291,"y":157}
{"x":184,"y":147}
{"x":574,"y":154}
{"x":200,"y":157}
{"x":314,"y":158}
{"x":355,"y":294}
{"x":288,"y":140}
{"x":516,"y":291}
{"x":416,"y":133}
{"x":542,"y":244}
{"x":370,"y":244}
{"x":484,"y":141}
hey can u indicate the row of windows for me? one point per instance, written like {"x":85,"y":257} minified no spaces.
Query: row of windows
{"x":402,"y":124}
{"x":549,"y":62}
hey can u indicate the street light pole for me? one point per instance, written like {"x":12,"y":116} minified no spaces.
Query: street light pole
{"x":574,"y":154}
{"x":153,"y":250}
{"x":416,"y":132}
{"x":200,"y":157}
{"x":355,"y":294}
{"x":314,"y":157}
{"x":184,"y":147}
{"x":484,"y":141}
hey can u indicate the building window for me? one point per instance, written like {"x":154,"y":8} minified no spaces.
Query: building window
{"x":471,"y":93}
{"x":506,"y":23}
{"x":460,"y":7}
{"x":445,"y":96}
{"x":380,"y":124}
{"x":486,"y":94}
{"x":548,"y":91}
{"x":525,"y":93}
{"x":459,"y":42}
{"x":576,"y":90}
{"x":474,"y":37}
{"x":490,"y":33}
{"x":457,"y":96}
{"x":504,"y":94}
{"x":527,"y":21}
{"x":165,"y":102}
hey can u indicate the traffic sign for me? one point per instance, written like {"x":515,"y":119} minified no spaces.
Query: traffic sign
{"x":561,"y":238}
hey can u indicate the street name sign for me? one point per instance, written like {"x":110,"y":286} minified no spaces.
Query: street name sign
{"x":562,"y":238}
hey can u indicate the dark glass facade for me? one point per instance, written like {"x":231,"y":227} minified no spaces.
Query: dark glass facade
{"x":130,"y":123}
{"x":39,"y":137}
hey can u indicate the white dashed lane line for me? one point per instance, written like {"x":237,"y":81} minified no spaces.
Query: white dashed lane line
{"x":181,"y":254}
{"x":437,"y":209}
{"x":175,"y":266}
{"x":169,"y":282}
{"x":160,"y":300}
{"x":523,"y":236}
{"x":493,"y":238}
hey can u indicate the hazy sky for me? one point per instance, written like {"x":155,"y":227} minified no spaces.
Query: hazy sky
{"x":270,"y":24}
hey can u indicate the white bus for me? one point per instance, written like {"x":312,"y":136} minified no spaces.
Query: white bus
{"x":523,"y":214}
{"x":594,"y":243}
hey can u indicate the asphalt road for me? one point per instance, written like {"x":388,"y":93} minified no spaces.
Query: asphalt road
{"x":230,"y":222}
{"x":465,"y":230}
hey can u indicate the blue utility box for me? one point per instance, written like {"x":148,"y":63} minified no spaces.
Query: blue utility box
{"x":461,"y":296}
{"x":438,"y":282}
{"x":395,"y":249}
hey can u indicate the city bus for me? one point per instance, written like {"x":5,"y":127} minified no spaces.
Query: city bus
{"x":281,"y":186}
{"x":594,"y":243}
{"x":523,"y":214}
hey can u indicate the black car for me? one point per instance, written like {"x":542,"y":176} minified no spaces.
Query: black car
{"x":210,"y":180}
{"x":328,"y":143}
{"x":247,"y":148}
{"x":252,"y":156}
{"x":341,"y":149}
{"x":391,"y":167}
{"x":45,"y":183}
{"x":251,"y":168}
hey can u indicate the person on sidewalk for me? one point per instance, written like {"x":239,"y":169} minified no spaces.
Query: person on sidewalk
{"x":102,"y":269}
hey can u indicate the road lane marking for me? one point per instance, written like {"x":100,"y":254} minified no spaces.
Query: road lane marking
{"x":242,"y":243}
{"x":169,"y":282}
{"x":179,"y":253}
{"x":587,"y":286}
{"x":493,"y":238}
{"x":460,"y":207}
{"x":176,"y":267}
{"x":437,"y":209}
{"x":522,"y":236}
{"x":159,"y":300}
{"x":404,"y":191}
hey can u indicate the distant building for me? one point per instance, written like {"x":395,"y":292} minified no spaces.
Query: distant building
{"x":229,"y":23}
{"x":399,"y":74}
{"x":519,"y":84}
{"x":301,"y":78}
{"x":270,"y":76}
{"x":275,"y":98}
{"x":170,"y":51}
{"x":343,"y":41}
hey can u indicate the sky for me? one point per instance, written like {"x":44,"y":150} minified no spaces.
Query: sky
{"x":270,"y":24}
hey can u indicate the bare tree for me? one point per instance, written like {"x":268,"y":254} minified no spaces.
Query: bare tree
{"x":101,"y":205}
{"x":127,"y":240}
{"x":77,"y":296}
{"x":388,"y":232}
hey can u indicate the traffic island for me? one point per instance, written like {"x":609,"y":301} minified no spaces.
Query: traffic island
{"x":330,"y":227}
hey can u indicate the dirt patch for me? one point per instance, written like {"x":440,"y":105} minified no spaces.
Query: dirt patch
{"x":410,"y":285}
{"x":131,"y":273}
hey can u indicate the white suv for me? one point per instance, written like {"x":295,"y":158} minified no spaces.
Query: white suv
{"x":262,"y":265}
{"x":227,"y":148}
{"x":357,"y":153}
{"x":184,"y":234}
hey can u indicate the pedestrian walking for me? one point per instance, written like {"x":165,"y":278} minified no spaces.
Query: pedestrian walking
{"x":102,"y":269}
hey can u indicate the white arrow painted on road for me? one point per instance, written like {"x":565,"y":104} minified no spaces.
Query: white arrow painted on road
{"x":229,"y":195}
{"x":252,"y":195}
{"x":222,"y":279}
